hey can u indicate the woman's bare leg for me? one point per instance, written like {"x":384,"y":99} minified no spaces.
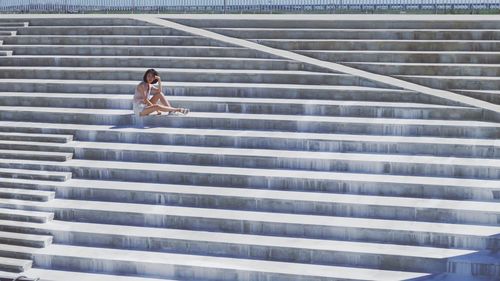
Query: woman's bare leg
{"x":157,"y":107}
{"x":161,"y":98}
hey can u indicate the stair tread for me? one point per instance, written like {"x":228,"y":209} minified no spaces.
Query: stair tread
{"x":107,"y":35}
{"x":371,"y":40}
{"x":25,"y":191}
{"x":353,"y":29}
{"x":248,"y":239}
{"x":14,"y":46}
{"x":34,"y":152}
{"x":333,"y":221}
{"x":24,"y":236}
{"x":224,"y":263}
{"x":492,"y":92}
{"x":398,"y":52}
{"x":486,"y":65}
{"x":15,"y":262}
{"x":28,"y":135}
{"x":61,"y":275}
{"x":34,"y":172}
{"x":25,"y":212}
{"x":481,"y":78}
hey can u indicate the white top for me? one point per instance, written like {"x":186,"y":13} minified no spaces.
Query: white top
{"x":140,"y":96}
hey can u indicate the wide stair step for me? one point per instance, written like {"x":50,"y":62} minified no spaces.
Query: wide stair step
{"x":259,"y":247}
{"x":409,"y":145}
{"x":35,"y":155}
{"x":250,"y":105}
{"x":195,"y":267}
{"x":34,"y":174}
{"x":435,"y":232}
{"x":25,"y":194}
{"x":23,"y":215}
{"x":14,"y":265}
{"x":26,"y":240}
{"x":33,"y":137}
{"x":144,"y":40}
{"x":218,"y":89}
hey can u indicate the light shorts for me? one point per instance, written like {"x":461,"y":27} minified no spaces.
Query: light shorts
{"x":138,"y":107}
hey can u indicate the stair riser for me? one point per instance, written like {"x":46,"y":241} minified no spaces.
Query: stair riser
{"x":474,"y":269}
{"x":473,"y":58}
{"x":96,"y":30}
{"x":112,"y":40}
{"x":469,"y":84}
{"x":351,"y":45}
{"x":489,"y":97}
{"x":24,"y":243}
{"x":254,"y":108}
{"x":13,"y":268}
{"x":34,"y":147}
{"x":72,"y":118}
{"x":431,"y":70}
{"x":33,"y":176}
{"x":15,"y":24}
{"x":162,"y":270}
{"x":407,"y":23}
{"x":147,"y":51}
{"x":174,"y":76}
{"x":236,"y":250}
{"x":58,"y":158}
{"x":76,"y":21}
{"x":362,"y":34}
{"x":29,"y":197}
{"x":25,"y":218}
{"x":158,"y":62}
{"x":53,"y":139}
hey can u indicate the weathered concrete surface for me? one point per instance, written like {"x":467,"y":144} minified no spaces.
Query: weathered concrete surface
{"x":288,"y":168}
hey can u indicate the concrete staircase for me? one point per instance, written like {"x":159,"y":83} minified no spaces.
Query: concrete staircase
{"x":461,"y":55}
{"x":283,"y":171}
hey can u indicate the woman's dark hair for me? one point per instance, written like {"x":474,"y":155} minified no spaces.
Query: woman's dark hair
{"x":155,"y":73}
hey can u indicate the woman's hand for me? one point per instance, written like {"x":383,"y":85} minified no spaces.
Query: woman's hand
{"x":158,"y":78}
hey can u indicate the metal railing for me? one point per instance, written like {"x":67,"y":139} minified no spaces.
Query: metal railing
{"x":241,"y":6}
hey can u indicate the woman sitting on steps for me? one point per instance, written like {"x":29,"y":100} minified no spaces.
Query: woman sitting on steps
{"x":144,"y":106}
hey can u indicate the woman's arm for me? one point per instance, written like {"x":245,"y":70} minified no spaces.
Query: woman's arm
{"x":159,"y":89}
